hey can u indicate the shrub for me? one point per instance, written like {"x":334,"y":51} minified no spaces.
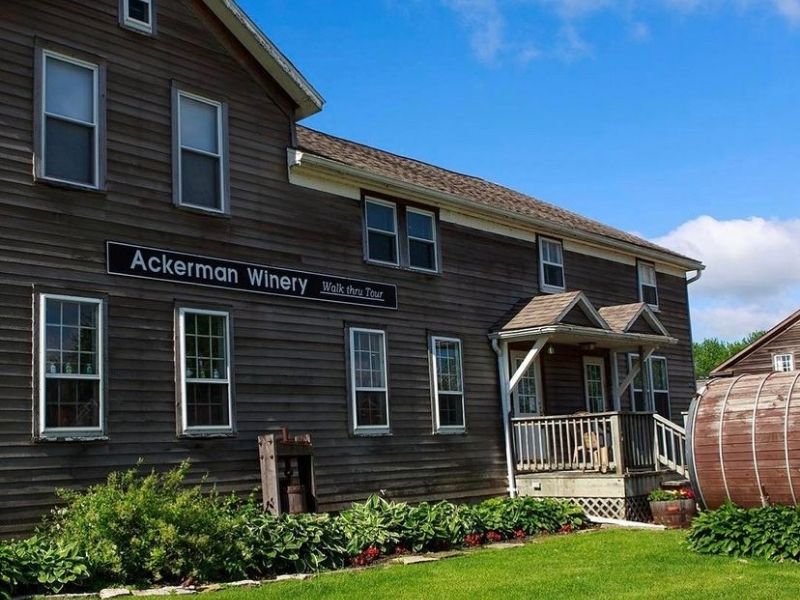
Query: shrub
{"x":771,"y":532}
{"x":137,"y":529}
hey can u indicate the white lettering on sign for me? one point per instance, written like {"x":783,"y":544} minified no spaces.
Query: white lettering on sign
{"x":351,"y":291}
{"x":262,"y":278}
{"x":170,"y":266}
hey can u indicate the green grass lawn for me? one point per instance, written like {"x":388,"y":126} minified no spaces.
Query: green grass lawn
{"x":605,"y":564}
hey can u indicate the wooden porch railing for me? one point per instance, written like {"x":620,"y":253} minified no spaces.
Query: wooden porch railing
{"x":605,"y":442}
{"x":669,"y":445}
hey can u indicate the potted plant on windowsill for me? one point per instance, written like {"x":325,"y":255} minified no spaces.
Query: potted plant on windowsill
{"x":673,"y":508}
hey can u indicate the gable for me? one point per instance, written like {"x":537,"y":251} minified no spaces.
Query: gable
{"x":642,"y":325}
{"x":578,"y":316}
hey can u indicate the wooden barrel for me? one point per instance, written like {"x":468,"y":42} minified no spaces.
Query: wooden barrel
{"x":674,"y":513}
{"x":743,"y":440}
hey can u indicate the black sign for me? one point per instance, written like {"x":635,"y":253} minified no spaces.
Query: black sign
{"x":165,"y":265}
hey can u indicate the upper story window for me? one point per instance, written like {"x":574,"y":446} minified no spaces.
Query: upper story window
{"x":648,"y":290}
{"x":448,"y":385}
{"x":783,"y":362}
{"x":206,"y":398}
{"x":421,"y":230}
{"x":71,"y":366}
{"x":200,"y":162}
{"x":551,"y":265}
{"x":68,"y":144}
{"x":368,"y":381}
{"x":138,"y":15}
{"x":399,"y":235}
{"x":381,"y":218}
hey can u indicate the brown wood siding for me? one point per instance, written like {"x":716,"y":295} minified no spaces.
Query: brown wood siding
{"x":289,"y":354}
{"x":760,"y":359}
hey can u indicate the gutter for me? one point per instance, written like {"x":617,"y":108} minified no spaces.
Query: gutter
{"x":505,"y":411}
{"x":583,"y":331}
{"x":694,"y":277}
{"x":298,"y":158}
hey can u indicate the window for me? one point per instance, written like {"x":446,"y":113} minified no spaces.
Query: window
{"x":421,"y":229}
{"x":594,"y":375}
{"x":783,"y":362}
{"x":71,"y":366}
{"x":205,"y":374}
{"x":138,"y":15}
{"x":69,"y":130}
{"x":448,"y":385}
{"x":648,"y":291}
{"x":368,"y":381}
{"x":200,"y":165}
{"x":551,"y":265}
{"x":655,"y":369}
{"x":527,"y":396}
{"x":381,"y":221}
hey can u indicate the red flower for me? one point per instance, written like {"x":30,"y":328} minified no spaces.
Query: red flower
{"x":494,"y":536}
{"x":520,"y":533}
{"x":473,"y":539}
{"x":566,"y":528}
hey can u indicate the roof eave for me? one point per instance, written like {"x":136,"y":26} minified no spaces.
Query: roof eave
{"x":279,"y":67}
{"x":361,"y":175}
{"x":528,"y":332}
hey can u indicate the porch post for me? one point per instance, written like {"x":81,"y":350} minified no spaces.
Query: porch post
{"x":615,"y":393}
{"x":645,"y":379}
{"x":501,"y":349}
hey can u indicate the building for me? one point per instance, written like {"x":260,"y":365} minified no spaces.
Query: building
{"x":184,"y":267}
{"x":775,"y":351}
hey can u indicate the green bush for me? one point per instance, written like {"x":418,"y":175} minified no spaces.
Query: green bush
{"x":771,"y":532}
{"x":152,"y":528}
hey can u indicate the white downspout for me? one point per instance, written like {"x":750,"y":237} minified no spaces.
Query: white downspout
{"x":505,"y":410}
{"x":694,"y":277}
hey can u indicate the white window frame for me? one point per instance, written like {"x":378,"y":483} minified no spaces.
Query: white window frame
{"x":95,"y":124}
{"x":370,"y":200}
{"x":438,"y":427}
{"x":434,"y":240}
{"x":600,"y":362}
{"x":71,"y":432}
{"x":647,"y":371}
{"x":220,"y":156}
{"x":183,"y":380}
{"x":778,"y":362}
{"x":641,"y":266}
{"x":543,"y":286}
{"x":536,"y":369}
{"x":367,"y":429}
{"x":132,"y":23}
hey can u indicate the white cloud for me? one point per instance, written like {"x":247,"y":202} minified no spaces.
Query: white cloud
{"x":486,"y":25}
{"x":752,"y":276}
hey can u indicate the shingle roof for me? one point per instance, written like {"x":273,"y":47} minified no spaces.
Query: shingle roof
{"x":619,"y":317}
{"x":541,"y":310}
{"x":468,"y":187}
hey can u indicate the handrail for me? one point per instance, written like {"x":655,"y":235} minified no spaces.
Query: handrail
{"x":669,"y":445}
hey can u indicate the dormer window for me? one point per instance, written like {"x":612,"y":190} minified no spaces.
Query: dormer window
{"x":137,"y":15}
{"x":648,"y":290}
{"x":551,"y":265}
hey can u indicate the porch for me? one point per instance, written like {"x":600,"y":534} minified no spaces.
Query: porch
{"x":581,"y":403}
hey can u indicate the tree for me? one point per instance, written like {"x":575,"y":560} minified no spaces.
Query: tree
{"x":712,"y":352}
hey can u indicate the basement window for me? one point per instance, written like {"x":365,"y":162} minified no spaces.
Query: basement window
{"x":137,"y":15}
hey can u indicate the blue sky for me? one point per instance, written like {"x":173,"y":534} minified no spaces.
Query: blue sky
{"x":675,"y":119}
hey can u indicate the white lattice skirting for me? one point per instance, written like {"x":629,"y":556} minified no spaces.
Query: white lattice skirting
{"x":634,"y":508}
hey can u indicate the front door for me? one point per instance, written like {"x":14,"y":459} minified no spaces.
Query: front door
{"x":528,"y":396}
{"x":594,"y":379}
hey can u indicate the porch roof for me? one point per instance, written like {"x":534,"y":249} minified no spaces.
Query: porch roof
{"x":571,"y":318}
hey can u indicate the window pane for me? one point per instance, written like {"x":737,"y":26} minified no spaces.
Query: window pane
{"x":659,"y":368}
{"x":380,"y":216}
{"x":647,"y":274}
{"x":200,"y":185}
{"x":139,"y":10}
{"x":207,"y":405}
{"x":649,"y":295}
{"x":69,"y":90}
{"x":382,"y":247}
{"x":368,"y":360}
{"x":69,"y":151}
{"x":72,"y":403}
{"x":526,"y":390}
{"x":422,"y":255}
{"x":553,"y":276}
{"x":419,"y":225}
{"x":451,"y":413}
{"x":448,"y":366}
{"x":371,"y":409}
{"x":199,"y":125}
{"x":551,"y":252}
